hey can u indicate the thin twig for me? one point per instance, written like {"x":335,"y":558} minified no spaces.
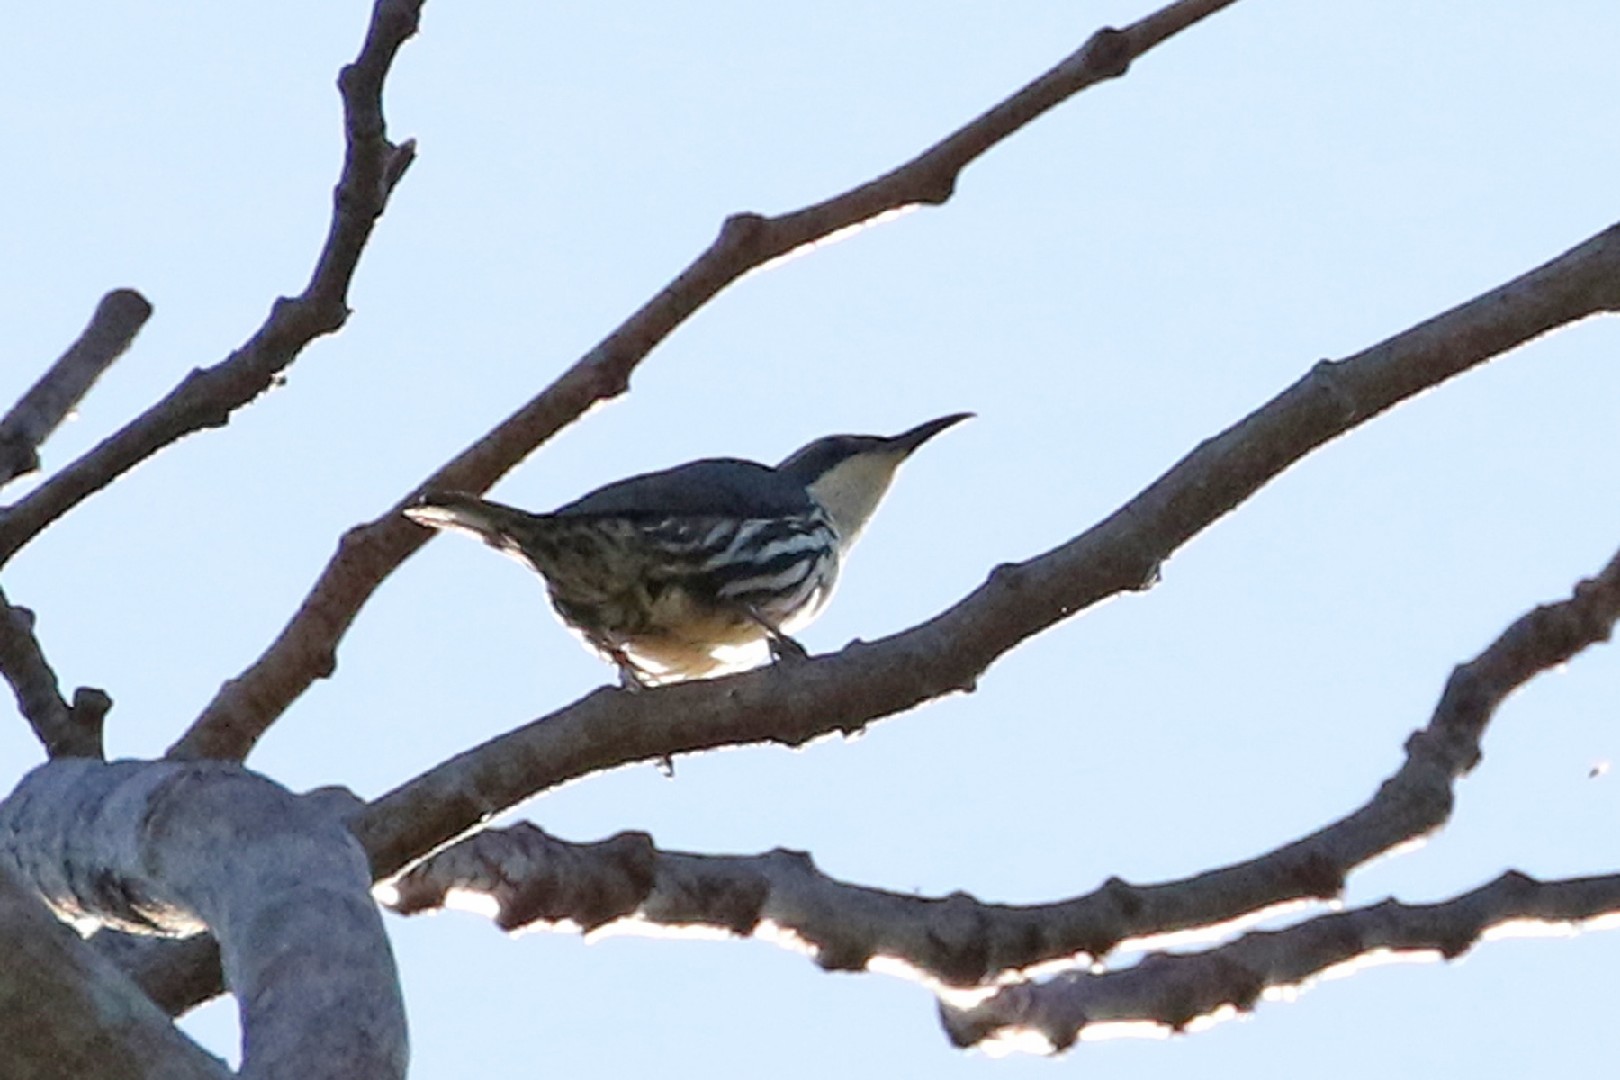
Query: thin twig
{"x":23,"y":663}
{"x":305,"y":650}
{"x":117,"y":319}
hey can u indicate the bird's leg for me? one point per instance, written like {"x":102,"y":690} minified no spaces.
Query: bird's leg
{"x":631,"y":677}
{"x":783,"y":648}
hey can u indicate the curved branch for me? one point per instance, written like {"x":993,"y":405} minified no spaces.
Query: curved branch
{"x":1169,"y":991}
{"x":305,"y":650}
{"x":64,"y":1011}
{"x":207,"y":397}
{"x":177,"y":974}
{"x":117,"y":319}
{"x":176,"y":847}
{"x":844,"y":691}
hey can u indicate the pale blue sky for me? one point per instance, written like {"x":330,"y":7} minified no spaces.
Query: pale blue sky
{"x":1121,"y":280}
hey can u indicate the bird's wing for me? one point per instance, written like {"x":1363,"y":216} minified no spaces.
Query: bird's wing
{"x":714,"y":487}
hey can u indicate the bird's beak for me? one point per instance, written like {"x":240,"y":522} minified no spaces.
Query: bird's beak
{"x":908,"y":441}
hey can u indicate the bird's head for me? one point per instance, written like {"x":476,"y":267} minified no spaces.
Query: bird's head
{"x":849,"y":474}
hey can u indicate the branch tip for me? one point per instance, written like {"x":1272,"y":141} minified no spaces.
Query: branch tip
{"x":118,"y":317}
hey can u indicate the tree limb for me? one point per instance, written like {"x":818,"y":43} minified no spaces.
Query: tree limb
{"x":176,"y":848}
{"x":117,"y":319}
{"x":305,"y":650}
{"x":207,"y":397}
{"x":1173,"y":991}
{"x":64,"y":1011}
{"x":177,"y":974}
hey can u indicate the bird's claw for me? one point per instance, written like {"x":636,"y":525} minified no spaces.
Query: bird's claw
{"x":785,"y":650}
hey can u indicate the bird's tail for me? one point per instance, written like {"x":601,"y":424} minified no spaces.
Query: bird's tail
{"x":495,"y":524}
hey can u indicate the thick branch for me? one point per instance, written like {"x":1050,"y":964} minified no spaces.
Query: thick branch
{"x":207,"y":397}
{"x":65,"y":730}
{"x":177,"y":848}
{"x":959,"y":941}
{"x":117,"y":319}
{"x":305,"y":650}
{"x":178,"y":975}
{"x":64,"y":1011}
{"x":625,"y":882}
{"x":847,"y":690}
{"x":1172,"y":991}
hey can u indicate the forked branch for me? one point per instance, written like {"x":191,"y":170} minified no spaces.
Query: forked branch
{"x":1172,"y":991}
{"x":207,"y":397}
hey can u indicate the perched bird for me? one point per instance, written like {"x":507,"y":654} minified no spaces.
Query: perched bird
{"x":697,"y":570}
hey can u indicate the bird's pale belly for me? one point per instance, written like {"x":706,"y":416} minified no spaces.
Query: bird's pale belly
{"x":673,"y":634}
{"x":674,"y":639}
{"x":638,"y":597}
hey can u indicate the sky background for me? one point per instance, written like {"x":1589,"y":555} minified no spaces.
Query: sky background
{"x":1121,"y":280}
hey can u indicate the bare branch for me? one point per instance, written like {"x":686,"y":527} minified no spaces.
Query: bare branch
{"x":306,"y":648}
{"x":958,"y":941}
{"x":207,"y":397}
{"x":117,"y":319}
{"x":1173,"y":991}
{"x":64,"y":730}
{"x":843,"y":692}
{"x":625,"y":882}
{"x":64,"y":1011}
{"x":175,"y":848}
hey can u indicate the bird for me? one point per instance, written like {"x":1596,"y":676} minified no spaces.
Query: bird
{"x":702,"y":569}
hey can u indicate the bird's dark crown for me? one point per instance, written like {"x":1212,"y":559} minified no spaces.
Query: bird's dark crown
{"x":809,"y":463}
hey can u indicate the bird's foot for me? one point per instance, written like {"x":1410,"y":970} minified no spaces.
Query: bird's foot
{"x":631,"y":675}
{"x":785,"y":650}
